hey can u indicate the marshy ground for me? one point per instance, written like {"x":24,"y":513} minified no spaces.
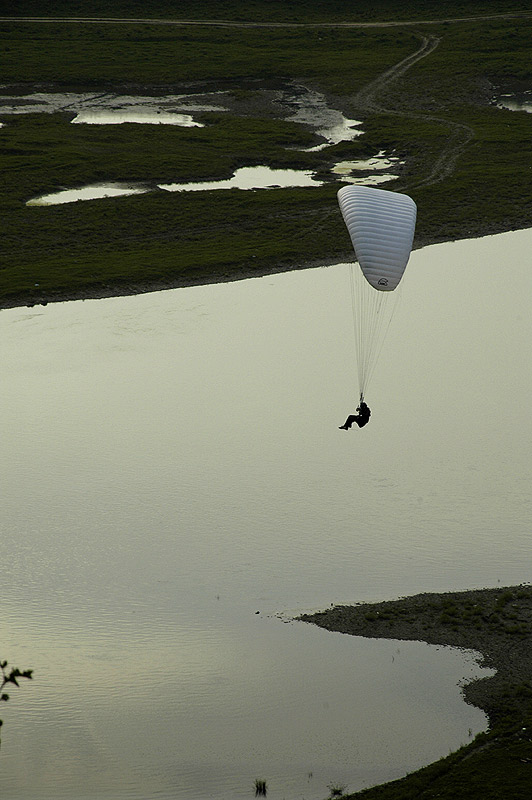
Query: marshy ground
{"x":422,"y":93}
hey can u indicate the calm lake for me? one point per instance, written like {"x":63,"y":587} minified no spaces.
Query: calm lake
{"x":175,"y":488}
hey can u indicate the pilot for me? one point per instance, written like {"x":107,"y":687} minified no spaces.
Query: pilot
{"x":361,"y":417}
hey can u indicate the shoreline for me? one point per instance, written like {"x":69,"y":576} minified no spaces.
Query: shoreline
{"x":100,"y":291}
{"x":496,"y":623}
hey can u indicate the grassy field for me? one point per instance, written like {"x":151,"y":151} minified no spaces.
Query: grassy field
{"x":260,"y":10}
{"x":171,"y":238}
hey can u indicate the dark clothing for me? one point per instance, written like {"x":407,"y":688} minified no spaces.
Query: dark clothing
{"x":361,"y":418}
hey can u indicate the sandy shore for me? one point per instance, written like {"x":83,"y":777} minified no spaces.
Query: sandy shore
{"x":497,"y":623}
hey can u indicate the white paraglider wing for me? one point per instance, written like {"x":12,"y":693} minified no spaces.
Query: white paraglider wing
{"x":381,"y":225}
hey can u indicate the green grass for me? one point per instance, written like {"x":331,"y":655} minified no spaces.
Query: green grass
{"x":258,"y":10}
{"x":160,"y":235}
{"x":163,"y":237}
{"x":157,"y":237}
{"x":99,"y":55}
{"x":495,"y":766}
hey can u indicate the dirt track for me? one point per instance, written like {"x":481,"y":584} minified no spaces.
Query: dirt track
{"x":235,"y":24}
{"x":366,"y":101}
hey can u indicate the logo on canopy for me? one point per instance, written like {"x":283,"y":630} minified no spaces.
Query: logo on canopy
{"x":383,"y":282}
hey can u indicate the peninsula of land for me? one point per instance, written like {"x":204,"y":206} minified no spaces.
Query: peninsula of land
{"x":497,"y":623}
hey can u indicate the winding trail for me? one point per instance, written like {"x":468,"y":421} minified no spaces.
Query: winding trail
{"x":459,"y":136}
{"x":366,"y":97}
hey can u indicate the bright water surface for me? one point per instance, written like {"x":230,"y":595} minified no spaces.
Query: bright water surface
{"x":97,"y":191}
{"x":243,"y":178}
{"x":250,"y":178}
{"x":109,"y":108}
{"x":138,"y":116}
{"x":521,"y":102}
{"x":172,"y":465}
{"x":307,"y":108}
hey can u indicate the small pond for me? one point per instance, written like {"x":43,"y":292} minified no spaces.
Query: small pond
{"x":250,"y":178}
{"x":516,"y":101}
{"x":138,"y":116}
{"x":331,"y":125}
{"x":243,"y":178}
{"x":110,"y":108}
{"x":360,"y":172}
{"x":294,"y":103}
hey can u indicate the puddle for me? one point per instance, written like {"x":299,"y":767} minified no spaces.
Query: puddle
{"x":515,"y":102}
{"x":95,"y":192}
{"x":112,"y":109}
{"x":371,"y":180}
{"x":142,"y":116}
{"x":244,"y":178}
{"x":292,"y":103}
{"x":356,"y":171}
{"x":343,"y":132}
{"x":250,"y":178}
{"x":330,"y":124}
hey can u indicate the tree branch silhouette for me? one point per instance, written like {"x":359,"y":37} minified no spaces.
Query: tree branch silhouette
{"x":11,"y":675}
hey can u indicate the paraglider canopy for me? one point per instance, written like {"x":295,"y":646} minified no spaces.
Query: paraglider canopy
{"x":381,"y":225}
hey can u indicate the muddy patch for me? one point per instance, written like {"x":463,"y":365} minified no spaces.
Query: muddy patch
{"x":290,"y":102}
{"x":109,"y":108}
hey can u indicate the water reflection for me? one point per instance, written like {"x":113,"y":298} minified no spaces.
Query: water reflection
{"x":358,"y":172}
{"x":139,"y":116}
{"x":250,"y":178}
{"x":313,"y":109}
{"x":94,"y":192}
{"x":306,"y":107}
{"x":516,"y":102}
{"x":244,"y":178}
{"x":109,"y":108}
{"x":160,"y":485}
